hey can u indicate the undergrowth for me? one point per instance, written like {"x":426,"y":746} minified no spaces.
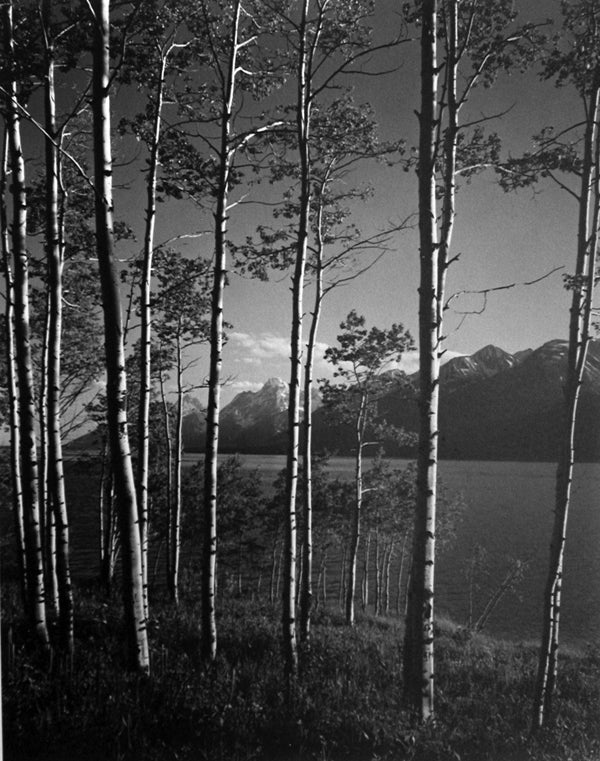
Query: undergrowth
{"x":346,"y":705}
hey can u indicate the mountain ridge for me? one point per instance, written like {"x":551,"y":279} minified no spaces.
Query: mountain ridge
{"x":493,"y":406}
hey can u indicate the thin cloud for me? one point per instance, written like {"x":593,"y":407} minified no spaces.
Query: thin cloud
{"x":259,"y":346}
{"x":408,"y":364}
{"x":410,"y":361}
{"x":448,"y":355}
{"x":321,"y":363}
{"x":242,"y":385}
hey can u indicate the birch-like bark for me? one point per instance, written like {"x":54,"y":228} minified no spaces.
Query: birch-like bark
{"x":418,"y":657}
{"x":299,"y":574}
{"x":13,"y":399}
{"x":171,"y":583}
{"x":400,"y":570}
{"x":116,"y":390}
{"x":365,"y":578}
{"x":47,"y":522}
{"x":146,"y":330}
{"x":377,"y":573}
{"x":27,"y":442}
{"x":49,"y":546}
{"x":176,"y":512}
{"x":306,"y":594}
{"x":107,"y":521}
{"x":101,"y":506}
{"x":450,"y":154}
{"x":111,"y":534}
{"x":209,"y":563}
{"x":579,"y":338}
{"x":356,"y":516}
{"x":226,"y":154}
{"x":303,"y":109}
{"x":54,"y":256}
{"x":12,"y":386}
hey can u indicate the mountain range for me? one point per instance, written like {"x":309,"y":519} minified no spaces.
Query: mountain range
{"x":493,"y":405}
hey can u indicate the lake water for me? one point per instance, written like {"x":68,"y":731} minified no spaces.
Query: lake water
{"x":509,"y":513}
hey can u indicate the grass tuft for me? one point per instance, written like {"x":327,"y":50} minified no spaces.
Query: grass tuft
{"x":346,"y":706}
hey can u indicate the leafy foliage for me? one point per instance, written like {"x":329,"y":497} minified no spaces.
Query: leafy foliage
{"x":362,"y":359}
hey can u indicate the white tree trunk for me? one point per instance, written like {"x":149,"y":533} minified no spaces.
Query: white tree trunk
{"x":27,"y":442}
{"x":418,"y":660}
{"x":288,"y":618}
{"x":579,"y":338}
{"x":116,"y":391}
{"x":54,"y":254}
{"x":356,"y":515}
{"x":146,"y":331}
{"x":12,"y":388}
{"x":176,"y":516}
{"x":209,"y":564}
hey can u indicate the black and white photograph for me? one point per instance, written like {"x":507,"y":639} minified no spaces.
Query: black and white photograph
{"x":299,"y":380}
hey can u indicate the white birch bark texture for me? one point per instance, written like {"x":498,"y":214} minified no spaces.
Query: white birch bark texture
{"x":54,"y":256}
{"x":303,"y":108}
{"x":579,"y":338}
{"x":177,"y":499}
{"x":306,"y":592}
{"x":418,"y":654}
{"x":365,"y":576}
{"x":47,"y":523}
{"x":27,"y":442}
{"x":226,"y":155}
{"x":133,"y":591}
{"x":485,"y":42}
{"x":146,"y":325}
{"x":108,"y":523}
{"x":171,"y":546}
{"x":12,"y":388}
{"x":355,"y":530}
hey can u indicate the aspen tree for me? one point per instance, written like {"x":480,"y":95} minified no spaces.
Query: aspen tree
{"x":12,"y":387}
{"x":325,"y":43}
{"x":54,"y":256}
{"x":418,"y":640}
{"x":146,"y":324}
{"x":360,"y":359}
{"x":133,"y":591}
{"x":27,"y":437}
{"x":303,"y":109}
{"x":228,"y":77}
{"x":182,"y":303}
{"x":575,"y":151}
{"x":229,"y":50}
{"x":480,"y":34}
{"x":148,"y":60}
{"x":342,"y":139}
{"x":47,"y":520}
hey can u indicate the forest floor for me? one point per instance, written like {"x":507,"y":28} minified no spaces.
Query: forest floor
{"x":346,"y":705}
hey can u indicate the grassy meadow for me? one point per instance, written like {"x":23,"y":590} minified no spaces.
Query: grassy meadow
{"x":346,"y":704}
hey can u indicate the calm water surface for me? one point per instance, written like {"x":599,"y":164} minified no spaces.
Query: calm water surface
{"x":509,"y":513}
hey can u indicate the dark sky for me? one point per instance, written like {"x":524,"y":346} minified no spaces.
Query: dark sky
{"x":502,"y":238}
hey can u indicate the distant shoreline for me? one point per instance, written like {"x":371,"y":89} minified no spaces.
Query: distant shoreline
{"x":72,"y":454}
